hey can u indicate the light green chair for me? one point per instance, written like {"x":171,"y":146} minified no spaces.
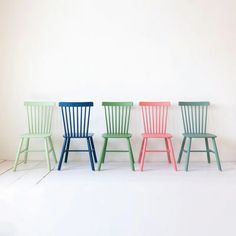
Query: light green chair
{"x":39,"y":124}
{"x":194,"y":115}
{"x":117,"y":116}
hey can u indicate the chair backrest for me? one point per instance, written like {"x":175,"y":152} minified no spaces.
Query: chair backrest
{"x":39,"y":117}
{"x":194,"y":115}
{"x":76,"y":117}
{"x":154,"y":117}
{"x":117,"y":116}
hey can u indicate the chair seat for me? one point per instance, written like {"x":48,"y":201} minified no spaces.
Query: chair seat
{"x":29,"y":135}
{"x":116,"y":135}
{"x":207,"y":135}
{"x":78,"y":135}
{"x":157,"y":135}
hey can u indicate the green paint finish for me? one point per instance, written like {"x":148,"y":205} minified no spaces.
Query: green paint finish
{"x":194,"y":116}
{"x":39,"y":116}
{"x":117,"y":117}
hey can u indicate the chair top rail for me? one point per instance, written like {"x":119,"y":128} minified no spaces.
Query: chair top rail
{"x":154,"y":103}
{"x":201,"y":103}
{"x":75,"y":104}
{"x":31,"y":103}
{"x":117,"y":103}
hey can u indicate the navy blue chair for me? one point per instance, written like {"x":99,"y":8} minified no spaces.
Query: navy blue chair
{"x":76,"y":116}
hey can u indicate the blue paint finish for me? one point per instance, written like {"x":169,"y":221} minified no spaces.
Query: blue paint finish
{"x":76,"y":118}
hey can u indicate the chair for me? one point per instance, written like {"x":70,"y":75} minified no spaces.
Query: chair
{"x":194,"y":116}
{"x":154,"y":116}
{"x":76,"y":117}
{"x":39,"y":124}
{"x":117,"y":115}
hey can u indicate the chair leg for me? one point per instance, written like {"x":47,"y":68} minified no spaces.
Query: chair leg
{"x":168,"y":150}
{"x":47,"y":154}
{"x":207,"y":150}
{"x":216,"y":154}
{"x":169,"y":143}
{"x":103,"y":153}
{"x":26,"y":151}
{"x":62,"y":154}
{"x":90,"y":154}
{"x":53,"y":150}
{"x":131,"y":154}
{"x":93,"y":149}
{"x":18,"y":154}
{"x":140,"y":153}
{"x":67,"y":150}
{"x":181,"y":150}
{"x":143,"y":154}
{"x":103,"y":160}
{"x":188,"y":154}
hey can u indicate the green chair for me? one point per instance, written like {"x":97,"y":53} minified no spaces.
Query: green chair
{"x":117,"y":115}
{"x":194,"y":115}
{"x":39,"y":124}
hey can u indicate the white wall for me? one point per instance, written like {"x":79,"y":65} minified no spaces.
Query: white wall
{"x":78,"y":50}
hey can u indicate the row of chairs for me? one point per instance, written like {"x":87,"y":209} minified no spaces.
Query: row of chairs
{"x":76,"y":118}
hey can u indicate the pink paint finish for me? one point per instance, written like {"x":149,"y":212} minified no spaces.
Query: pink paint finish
{"x":154,"y":116}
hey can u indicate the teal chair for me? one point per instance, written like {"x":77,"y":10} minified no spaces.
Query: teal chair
{"x":194,"y":116}
{"x":117,"y":115}
{"x":39,"y":124}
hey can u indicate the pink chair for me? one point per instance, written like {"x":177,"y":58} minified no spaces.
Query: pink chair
{"x":155,"y":123}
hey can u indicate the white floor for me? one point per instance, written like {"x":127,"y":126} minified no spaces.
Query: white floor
{"x":117,"y":201}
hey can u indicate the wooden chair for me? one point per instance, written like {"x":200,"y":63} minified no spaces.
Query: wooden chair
{"x":117,"y":115}
{"x":39,"y":123}
{"x":194,"y":115}
{"x":154,"y":116}
{"x":76,"y":118}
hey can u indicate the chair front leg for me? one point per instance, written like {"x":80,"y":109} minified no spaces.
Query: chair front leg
{"x":93,"y":149}
{"x":18,"y":154}
{"x":181,"y":150}
{"x":216,"y":154}
{"x":62,"y":154}
{"x":103,"y":153}
{"x":143,"y":154}
{"x":172,"y":153}
{"x":53,"y":150}
{"x":90,"y":154}
{"x":141,"y":151}
{"x":67,"y":150}
{"x":26,"y":150}
{"x":47,"y":153}
{"x":168,"y":149}
{"x":188,"y":154}
{"x":131,"y":156}
{"x":207,"y":151}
